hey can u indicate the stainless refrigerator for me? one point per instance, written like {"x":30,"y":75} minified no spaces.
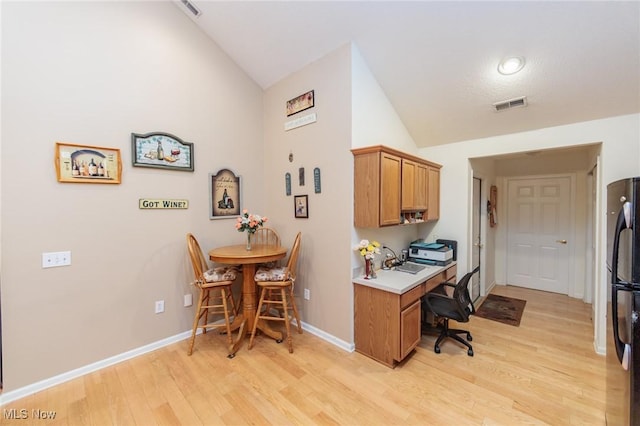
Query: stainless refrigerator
{"x":623,"y":339}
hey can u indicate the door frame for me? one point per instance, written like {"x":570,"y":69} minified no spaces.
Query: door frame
{"x":484,"y":182}
{"x":573,"y":289}
{"x":477,"y":204}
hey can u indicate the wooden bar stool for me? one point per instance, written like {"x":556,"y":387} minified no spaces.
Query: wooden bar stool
{"x":215,"y":297}
{"x":277,"y":292}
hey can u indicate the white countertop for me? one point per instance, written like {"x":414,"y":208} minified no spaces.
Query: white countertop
{"x":400,"y":282}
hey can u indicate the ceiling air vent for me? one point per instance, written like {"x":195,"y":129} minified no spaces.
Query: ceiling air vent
{"x":511,"y":103}
{"x":191,"y":8}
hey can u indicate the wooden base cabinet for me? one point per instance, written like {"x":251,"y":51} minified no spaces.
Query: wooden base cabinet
{"x":387,"y":326}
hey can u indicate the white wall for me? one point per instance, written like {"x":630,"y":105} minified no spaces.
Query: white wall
{"x":92,"y":73}
{"x":375,"y":122}
{"x":324,"y":264}
{"x":620,"y":138}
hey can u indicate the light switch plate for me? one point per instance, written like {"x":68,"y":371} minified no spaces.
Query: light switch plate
{"x":54,"y":259}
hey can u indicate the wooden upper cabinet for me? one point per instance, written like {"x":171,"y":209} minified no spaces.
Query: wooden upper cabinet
{"x":391,"y":187}
{"x":390,"y":173}
{"x":408,"y":184}
{"x":433,"y":200}
{"x":376,"y":189}
{"x":415,"y":186}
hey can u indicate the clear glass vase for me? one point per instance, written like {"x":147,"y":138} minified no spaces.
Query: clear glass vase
{"x":248,"y":241}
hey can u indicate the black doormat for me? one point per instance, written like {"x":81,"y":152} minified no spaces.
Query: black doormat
{"x":503,"y":309}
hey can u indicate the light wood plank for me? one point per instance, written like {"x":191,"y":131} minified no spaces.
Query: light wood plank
{"x":543,"y":372}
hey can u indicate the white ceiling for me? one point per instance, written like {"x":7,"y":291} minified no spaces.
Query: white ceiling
{"x":437,"y":61}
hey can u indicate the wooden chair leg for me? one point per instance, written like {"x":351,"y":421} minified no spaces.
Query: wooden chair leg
{"x":255,"y":321}
{"x":283,"y":294}
{"x":196,"y":319}
{"x":206,"y":297}
{"x":296,"y":315}
{"x":227,"y":322}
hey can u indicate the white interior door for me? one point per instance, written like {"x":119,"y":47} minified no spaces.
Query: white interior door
{"x":538,"y":232}
{"x":477,"y":240}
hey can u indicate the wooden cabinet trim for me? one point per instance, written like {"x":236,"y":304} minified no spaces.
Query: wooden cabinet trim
{"x":383,"y":148}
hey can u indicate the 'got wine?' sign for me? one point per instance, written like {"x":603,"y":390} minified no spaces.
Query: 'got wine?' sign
{"x":151,"y":204}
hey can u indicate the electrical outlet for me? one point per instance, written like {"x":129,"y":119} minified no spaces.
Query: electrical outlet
{"x":159,"y":306}
{"x":188,"y":299}
{"x":307,"y":294}
{"x":54,"y":259}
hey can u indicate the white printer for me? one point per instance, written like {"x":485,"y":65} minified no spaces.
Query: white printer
{"x":430,"y":253}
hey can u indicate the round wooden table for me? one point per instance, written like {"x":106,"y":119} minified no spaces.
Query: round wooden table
{"x":239,"y":255}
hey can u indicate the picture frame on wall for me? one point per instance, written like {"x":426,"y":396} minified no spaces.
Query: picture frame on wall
{"x":301,"y":206}
{"x":162,"y":151}
{"x":225,"y":192}
{"x":300,"y":103}
{"x":87,"y":164}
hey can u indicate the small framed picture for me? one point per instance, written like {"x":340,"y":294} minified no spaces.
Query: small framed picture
{"x":87,"y":164}
{"x":161,"y":151}
{"x":224,"y":195}
{"x":300,"y":103}
{"x":301,"y":204}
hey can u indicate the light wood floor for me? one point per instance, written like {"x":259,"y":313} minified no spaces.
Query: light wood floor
{"x":543,"y":372}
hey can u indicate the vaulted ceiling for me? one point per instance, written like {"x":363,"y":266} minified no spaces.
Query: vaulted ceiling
{"x":437,"y":61}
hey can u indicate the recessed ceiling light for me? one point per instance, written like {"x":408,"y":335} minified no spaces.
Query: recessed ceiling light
{"x":511,"y":65}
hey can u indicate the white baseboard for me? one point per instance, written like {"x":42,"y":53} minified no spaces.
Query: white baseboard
{"x":346,"y":346}
{"x":7,"y":397}
{"x":14,"y":395}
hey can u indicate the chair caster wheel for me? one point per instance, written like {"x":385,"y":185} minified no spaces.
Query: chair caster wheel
{"x":230,"y":356}
{"x":469,"y":338}
{"x":470,"y":352}
{"x":279,"y":341}
{"x":437,"y":349}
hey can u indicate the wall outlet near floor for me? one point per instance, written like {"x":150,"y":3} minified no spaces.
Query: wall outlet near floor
{"x":307,"y":294}
{"x":188,"y":299}
{"x":159,"y":306}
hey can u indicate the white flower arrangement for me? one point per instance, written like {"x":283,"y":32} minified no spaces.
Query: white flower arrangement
{"x":367,"y":249}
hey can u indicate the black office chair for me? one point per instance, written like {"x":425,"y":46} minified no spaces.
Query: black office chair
{"x":457,"y":307}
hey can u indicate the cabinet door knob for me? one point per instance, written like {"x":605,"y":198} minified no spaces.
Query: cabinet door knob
{"x":561,"y":241}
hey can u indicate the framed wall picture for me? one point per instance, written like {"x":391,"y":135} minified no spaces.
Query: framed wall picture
{"x":300,"y":103}
{"x":301,"y":205}
{"x":224,"y":195}
{"x":87,"y":164}
{"x":162,"y":151}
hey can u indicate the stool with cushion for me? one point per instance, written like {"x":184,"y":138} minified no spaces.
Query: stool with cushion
{"x":277,"y":294}
{"x":215,"y":297}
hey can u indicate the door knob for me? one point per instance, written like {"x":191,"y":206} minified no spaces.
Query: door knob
{"x":561,"y":241}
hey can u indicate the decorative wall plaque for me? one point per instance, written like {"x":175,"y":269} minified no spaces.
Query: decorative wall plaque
{"x":287,"y":183}
{"x":161,"y":150}
{"x":316,"y":180}
{"x":224,"y":195}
